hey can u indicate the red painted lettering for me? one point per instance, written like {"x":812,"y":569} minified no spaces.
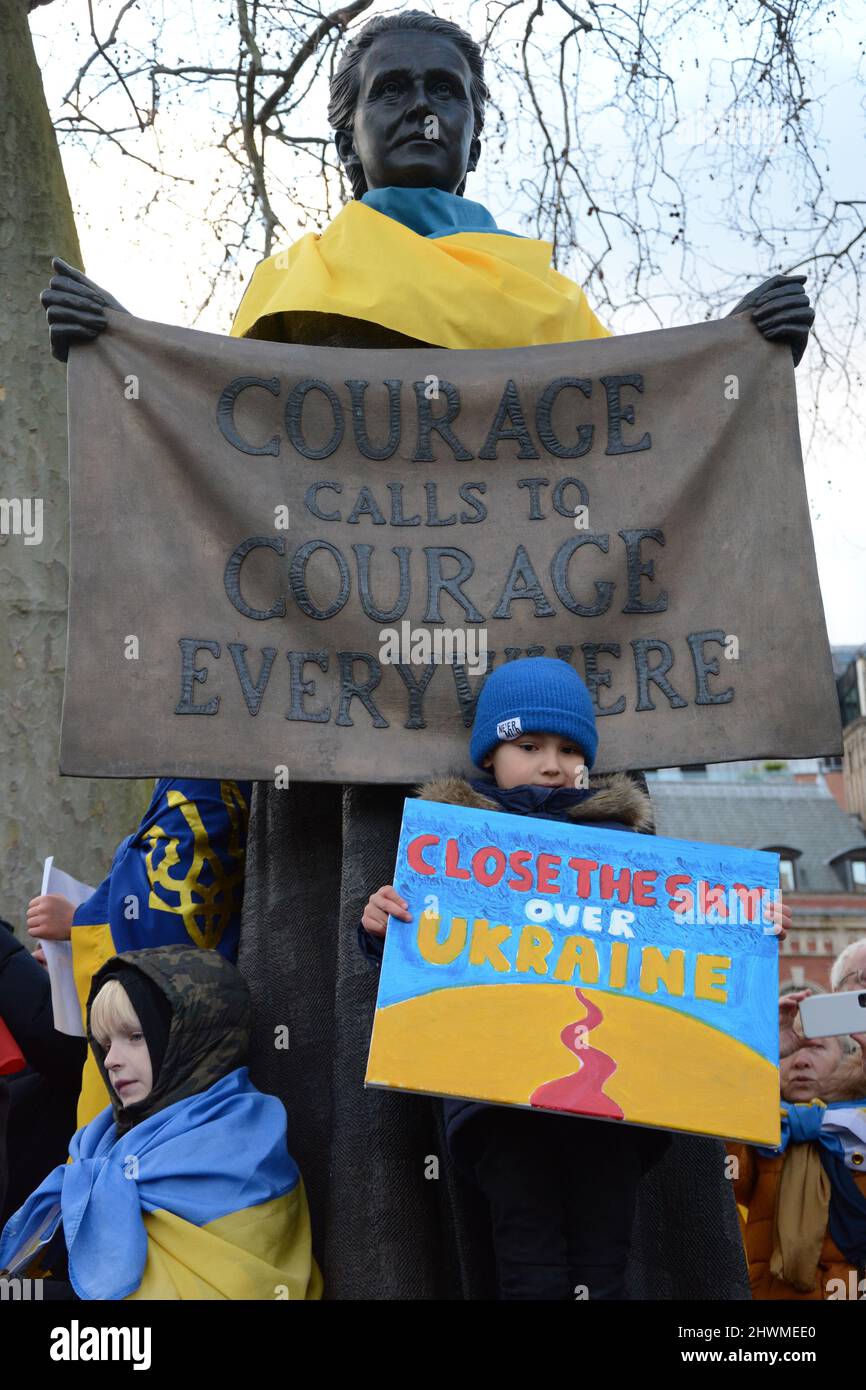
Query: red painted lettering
{"x":642,"y":896}
{"x":452,"y":861}
{"x":583,"y":869}
{"x":487,"y":877}
{"x":712,"y":896}
{"x":548,"y":873}
{"x":610,"y":882}
{"x":518,"y":861}
{"x":415,"y":851}
{"x":675,"y":885}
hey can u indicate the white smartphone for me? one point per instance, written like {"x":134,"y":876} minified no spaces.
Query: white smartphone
{"x":827,"y":1015}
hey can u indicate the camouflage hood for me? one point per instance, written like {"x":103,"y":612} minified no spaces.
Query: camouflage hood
{"x":209,"y":1033}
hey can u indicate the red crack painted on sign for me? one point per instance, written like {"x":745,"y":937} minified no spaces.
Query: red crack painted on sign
{"x":581,"y":1091}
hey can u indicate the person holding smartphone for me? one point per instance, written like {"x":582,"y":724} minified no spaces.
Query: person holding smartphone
{"x":848,"y":978}
{"x":803,"y":1205}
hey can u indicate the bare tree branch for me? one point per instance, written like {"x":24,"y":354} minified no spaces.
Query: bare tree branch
{"x":339,"y":19}
{"x":572,"y":82}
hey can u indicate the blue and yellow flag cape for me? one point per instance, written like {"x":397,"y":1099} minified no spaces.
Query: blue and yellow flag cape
{"x":178,"y":879}
{"x":199,"y":1201}
{"x":839,"y":1130}
{"x":427,"y":264}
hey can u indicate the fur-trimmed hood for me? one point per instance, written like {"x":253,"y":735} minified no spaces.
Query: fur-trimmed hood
{"x":616,"y":796}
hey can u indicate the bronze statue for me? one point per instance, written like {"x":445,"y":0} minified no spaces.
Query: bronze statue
{"x":407,"y":106}
{"x":381,"y":141}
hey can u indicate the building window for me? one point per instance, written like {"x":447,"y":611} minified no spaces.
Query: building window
{"x":788,"y":856}
{"x":857,"y":872}
{"x":787,"y":876}
{"x":850,"y":867}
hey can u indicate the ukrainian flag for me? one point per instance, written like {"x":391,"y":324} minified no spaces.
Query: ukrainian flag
{"x":178,"y":879}
{"x":428,"y":264}
{"x":201,"y":1200}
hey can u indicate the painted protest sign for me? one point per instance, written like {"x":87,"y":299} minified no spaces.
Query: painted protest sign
{"x":626,"y":977}
{"x":301,"y":557}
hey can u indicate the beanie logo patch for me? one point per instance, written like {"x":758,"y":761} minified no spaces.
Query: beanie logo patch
{"x":508,"y":728}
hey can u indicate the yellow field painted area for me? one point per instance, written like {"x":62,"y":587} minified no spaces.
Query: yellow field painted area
{"x":499,"y":1042}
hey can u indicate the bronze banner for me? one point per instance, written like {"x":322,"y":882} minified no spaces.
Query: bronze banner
{"x":300,"y":562}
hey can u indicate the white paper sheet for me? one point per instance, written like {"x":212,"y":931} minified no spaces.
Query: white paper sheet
{"x":58,"y":954}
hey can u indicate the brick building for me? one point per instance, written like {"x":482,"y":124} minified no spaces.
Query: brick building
{"x":822,"y":853}
{"x":811,"y":812}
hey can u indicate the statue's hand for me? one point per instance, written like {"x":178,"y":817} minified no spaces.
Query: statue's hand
{"x":781,"y":310}
{"x":75,"y":308}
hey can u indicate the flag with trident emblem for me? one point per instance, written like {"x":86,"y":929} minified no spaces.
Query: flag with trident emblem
{"x":178,"y":878}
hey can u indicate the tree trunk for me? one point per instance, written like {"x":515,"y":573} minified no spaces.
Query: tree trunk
{"x":79,"y":821}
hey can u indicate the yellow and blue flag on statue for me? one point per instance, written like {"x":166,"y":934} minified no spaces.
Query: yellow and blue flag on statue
{"x":179,"y":879}
{"x":428,"y":264}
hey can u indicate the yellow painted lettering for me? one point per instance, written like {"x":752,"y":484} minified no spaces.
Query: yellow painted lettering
{"x":656,"y":970}
{"x":440,"y":952}
{"x":578,"y":953}
{"x":535,"y":945}
{"x":484,"y":948}
{"x":710,"y":978}
{"x":618,"y":964}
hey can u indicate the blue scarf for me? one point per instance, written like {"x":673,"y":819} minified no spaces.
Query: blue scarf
{"x":825,"y":1125}
{"x":204,"y":1157}
{"x":546,"y":803}
{"x":431,"y":212}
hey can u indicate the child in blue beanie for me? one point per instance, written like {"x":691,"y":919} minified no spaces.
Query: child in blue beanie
{"x":561,"y":1190}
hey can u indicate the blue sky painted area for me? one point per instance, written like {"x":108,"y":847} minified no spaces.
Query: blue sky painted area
{"x":750,"y":1012}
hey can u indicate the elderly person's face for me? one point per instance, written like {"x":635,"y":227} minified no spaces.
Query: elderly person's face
{"x":806,"y":1073}
{"x":855,"y":969}
{"x":414,"y":116}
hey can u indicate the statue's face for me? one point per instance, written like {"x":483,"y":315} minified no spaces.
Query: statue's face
{"x":414,"y":117}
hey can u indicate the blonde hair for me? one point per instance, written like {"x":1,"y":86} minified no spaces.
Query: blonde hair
{"x":112,"y":1012}
{"x":848,"y":1081}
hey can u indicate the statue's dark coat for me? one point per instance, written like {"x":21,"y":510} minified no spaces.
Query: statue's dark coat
{"x":383,"y":1227}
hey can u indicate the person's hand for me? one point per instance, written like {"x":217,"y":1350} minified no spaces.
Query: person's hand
{"x":789,"y":1041}
{"x":383,"y":903}
{"x":780,"y":311}
{"x":779,"y":918}
{"x":39,"y":955}
{"x":75,"y":308}
{"x":50,"y":917}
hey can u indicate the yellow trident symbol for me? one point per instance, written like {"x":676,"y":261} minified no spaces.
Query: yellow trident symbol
{"x":206,"y":909}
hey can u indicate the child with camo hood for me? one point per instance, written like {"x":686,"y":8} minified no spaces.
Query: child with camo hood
{"x":182,"y":1188}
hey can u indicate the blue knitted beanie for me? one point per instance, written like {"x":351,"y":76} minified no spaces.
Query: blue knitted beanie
{"x":533,"y":695}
